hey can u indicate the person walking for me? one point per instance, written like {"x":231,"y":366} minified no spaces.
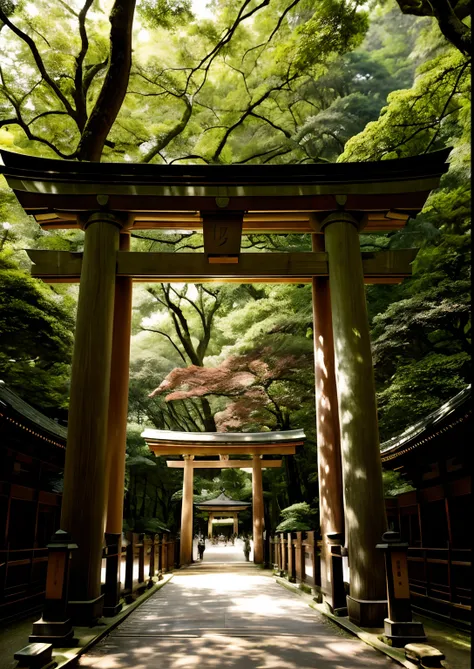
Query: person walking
{"x":201,"y":547}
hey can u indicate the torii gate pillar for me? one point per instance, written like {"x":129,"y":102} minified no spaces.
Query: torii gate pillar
{"x":365,"y":518}
{"x":85,"y":483}
{"x":186,"y":541}
{"x":209,"y":525}
{"x":257,"y":509}
{"x":331,"y":509}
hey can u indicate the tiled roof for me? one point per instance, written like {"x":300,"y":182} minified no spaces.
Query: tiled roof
{"x":43,"y":423}
{"x":449,"y":414}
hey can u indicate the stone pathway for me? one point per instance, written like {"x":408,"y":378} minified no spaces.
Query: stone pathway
{"x":240,"y":619}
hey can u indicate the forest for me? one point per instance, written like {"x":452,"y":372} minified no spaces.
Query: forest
{"x":262,"y":82}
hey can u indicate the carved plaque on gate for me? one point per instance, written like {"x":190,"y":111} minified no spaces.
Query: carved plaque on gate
{"x":222,"y":235}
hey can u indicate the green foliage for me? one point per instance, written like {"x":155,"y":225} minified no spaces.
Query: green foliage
{"x":168,"y":14}
{"x":150,"y":485}
{"x":394,"y":484}
{"x":297,"y":518}
{"x":36,"y":338}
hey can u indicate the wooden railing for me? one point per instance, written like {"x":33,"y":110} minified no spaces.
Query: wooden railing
{"x":296,"y":556}
{"x":22,"y":580}
{"x":440,"y":580}
{"x":143,"y":560}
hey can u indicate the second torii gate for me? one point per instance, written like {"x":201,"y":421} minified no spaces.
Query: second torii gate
{"x":223,"y":507}
{"x":190,"y":445}
{"x":333,"y":203}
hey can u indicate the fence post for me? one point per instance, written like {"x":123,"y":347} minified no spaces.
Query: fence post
{"x":298,"y":558}
{"x":151,"y":544}
{"x":291,"y":559}
{"x":177,"y":549}
{"x":171,"y":556}
{"x":282,"y":549}
{"x":130,"y":556}
{"x":164,"y":552}
{"x":274,"y":553}
{"x":159,"y":563}
{"x":113,"y":553}
{"x":141,"y":559}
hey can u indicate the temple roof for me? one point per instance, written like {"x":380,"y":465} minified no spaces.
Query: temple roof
{"x":171,"y":436}
{"x":30,"y":417}
{"x":223,"y":500}
{"x":169,"y":442}
{"x":279,"y":198}
{"x":447,"y":416}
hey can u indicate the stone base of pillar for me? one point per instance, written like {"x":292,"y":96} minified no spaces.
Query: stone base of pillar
{"x":367,"y":612}
{"x":399,"y":634}
{"x":59,"y":633}
{"x":86,"y":613}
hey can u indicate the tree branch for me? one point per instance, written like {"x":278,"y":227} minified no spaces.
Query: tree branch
{"x":114,"y":88}
{"x":171,"y":134}
{"x":163,"y":334}
{"x":39,"y":63}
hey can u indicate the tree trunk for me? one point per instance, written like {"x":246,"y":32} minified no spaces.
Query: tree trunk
{"x":114,"y":88}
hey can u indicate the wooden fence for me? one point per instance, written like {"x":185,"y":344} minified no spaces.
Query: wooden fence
{"x":296,"y":555}
{"x":23,"y":571}
{"x":143,"y":557}
{"x":440,"y":581}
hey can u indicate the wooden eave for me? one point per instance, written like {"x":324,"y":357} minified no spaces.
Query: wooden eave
{"x":167,"y":442}
{"x":276,"y":198}
{"x":451,"y":414}
{"x":222,"y":509}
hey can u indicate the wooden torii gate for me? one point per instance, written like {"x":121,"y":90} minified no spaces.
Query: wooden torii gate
{"x":195,"y":444}
{"x":333,"y":203}
{"x":223,"y":507}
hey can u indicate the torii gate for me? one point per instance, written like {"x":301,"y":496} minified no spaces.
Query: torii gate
{"x":223,"y":445}
{"x":223,"y":506}
{"x":333,"y":203}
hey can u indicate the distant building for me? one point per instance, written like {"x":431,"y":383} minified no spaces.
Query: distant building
{"x":435,"y":519}
{"x":32,"y":452}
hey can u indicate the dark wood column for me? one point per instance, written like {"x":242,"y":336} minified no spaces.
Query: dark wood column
{"x":257,"y":509}
{"x":85,"y":484}
{"x":331,"y":508}
{"x":117,"y":431}
{"x":186,"y":544}
{"x":365,"y":518}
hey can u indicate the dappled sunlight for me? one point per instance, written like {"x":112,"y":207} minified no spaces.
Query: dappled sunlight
{"x":217,"y":651}
{"x":228,"y":620}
